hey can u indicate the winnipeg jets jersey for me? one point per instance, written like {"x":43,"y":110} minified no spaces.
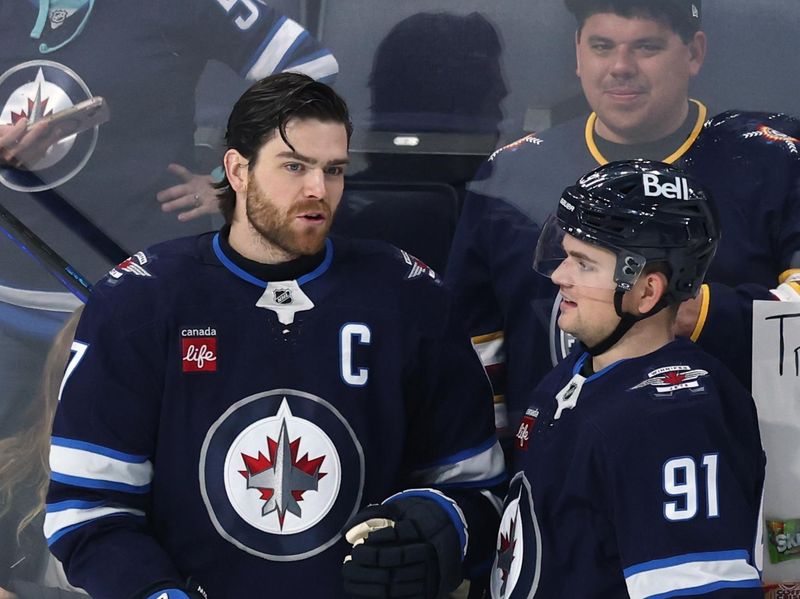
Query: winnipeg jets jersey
{"x":643,"y":480}
{"x":145,"y":59}
{"x":219,"y":426}
{"x":749,"y":161}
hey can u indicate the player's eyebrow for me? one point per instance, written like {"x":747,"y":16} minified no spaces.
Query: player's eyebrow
{"x":313,"y":161}
{"x":580,"y":256}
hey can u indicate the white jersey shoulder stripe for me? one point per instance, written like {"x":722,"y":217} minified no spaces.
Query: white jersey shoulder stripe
{"x":58,"y":522}
{"x":319,"y":69}
{"x":484,"y":467}
{"x":491,"y":351}
{"x":75,"y":464}
{"x":698,"y":572}
{"x":276,"y":48}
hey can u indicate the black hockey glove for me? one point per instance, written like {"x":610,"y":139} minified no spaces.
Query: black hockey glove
{"x":170,"y":590}
{"x":408,"y":547}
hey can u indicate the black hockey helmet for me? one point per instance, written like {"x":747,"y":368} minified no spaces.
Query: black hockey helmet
{"x":645,"y":212}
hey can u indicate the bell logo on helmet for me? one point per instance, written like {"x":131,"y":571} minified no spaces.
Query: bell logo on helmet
{"x":671,"y":191}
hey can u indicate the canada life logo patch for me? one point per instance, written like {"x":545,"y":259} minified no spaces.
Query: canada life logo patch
{"x":281,"y":472}
{"x":199,"y":350}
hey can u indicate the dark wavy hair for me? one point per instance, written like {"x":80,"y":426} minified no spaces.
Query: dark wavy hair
{"x":675,"y":13}
{"x":265,"y":108}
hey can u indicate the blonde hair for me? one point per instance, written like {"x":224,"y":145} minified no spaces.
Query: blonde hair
{"x":24,"y":458}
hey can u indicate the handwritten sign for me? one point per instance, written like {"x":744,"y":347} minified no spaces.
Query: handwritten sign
{"x":776,"y":388}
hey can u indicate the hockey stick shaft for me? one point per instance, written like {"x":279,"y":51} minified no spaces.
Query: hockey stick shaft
{"x":42,"y":253}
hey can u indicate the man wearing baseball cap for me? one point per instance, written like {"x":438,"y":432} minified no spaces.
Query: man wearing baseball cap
{"x":635,"y":60}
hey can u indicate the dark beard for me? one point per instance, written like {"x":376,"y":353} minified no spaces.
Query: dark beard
{"x":275,"y":227}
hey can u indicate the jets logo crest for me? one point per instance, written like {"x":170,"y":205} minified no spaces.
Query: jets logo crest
{"x":280,"y":474}
{"x":35,"y":90}
{"x":669,"y":379}
{"x":518,"y":552}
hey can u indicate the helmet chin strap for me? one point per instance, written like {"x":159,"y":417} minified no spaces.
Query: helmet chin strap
{"x":626,"y":321}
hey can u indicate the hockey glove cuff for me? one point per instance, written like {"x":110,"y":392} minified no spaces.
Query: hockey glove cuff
{"x":411,"y":545}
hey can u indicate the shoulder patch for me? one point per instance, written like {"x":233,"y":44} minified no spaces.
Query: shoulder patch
{"x":528,"y":139}
{"x":134,"y":265}
{"x":665,"y":381}
{"x":417,"y":267}
{"x":773,"y":136}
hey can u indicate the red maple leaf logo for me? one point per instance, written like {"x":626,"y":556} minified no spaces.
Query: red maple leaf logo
{"x":505,"y":553}
{"x":16,"y":116}
{"x":674,"y":378}
{"x":262,"y":463}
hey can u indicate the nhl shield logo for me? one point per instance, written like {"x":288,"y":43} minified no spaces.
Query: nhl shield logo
{"x":280,"y":473}
{"x":518,"y":553}
{"x":35,"y":90}
{"x":283,"y":296}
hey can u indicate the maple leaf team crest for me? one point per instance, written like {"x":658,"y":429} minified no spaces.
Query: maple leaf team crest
{"x":280,"y":473}
{"x":34,"y":90}
{"x":669,"y":379}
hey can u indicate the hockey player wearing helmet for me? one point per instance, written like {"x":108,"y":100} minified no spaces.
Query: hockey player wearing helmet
{"x":639,"y":467}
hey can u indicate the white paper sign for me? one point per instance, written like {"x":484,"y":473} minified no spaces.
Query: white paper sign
{"x":776,"y":388}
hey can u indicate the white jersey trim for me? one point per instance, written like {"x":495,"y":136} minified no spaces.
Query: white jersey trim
{"x":276,"y":50}
{"x":58,"y":521}
{"x":491,"y":352}
{"x":319,"y":68}
{"x":701,"y":571}
{"x":483,"y":466}
{"x":83,"y":467}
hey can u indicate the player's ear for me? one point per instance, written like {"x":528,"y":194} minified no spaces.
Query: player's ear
{"x":653,"y":288}
{"x":236,"y":170}
{"x":697,"y":52}
{"x":578,"y":53}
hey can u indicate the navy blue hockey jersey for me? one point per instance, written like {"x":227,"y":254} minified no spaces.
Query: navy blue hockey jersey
{"x":145,"y":59}
{"x":219,"y":426}
{"x":643,"y":480}
{"x":749,"y":161}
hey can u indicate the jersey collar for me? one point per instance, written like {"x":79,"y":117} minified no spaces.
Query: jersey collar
{"x":680,"y":151}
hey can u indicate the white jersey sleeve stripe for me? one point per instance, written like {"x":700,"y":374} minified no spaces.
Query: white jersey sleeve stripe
{"x":275,"y":50}
{"x":58,"y":522}
{"x":73,"y":464}
{"x":696,"y":572}
{"x":491,"y":352}
{"x":484,"y":467}
{"x":319,"y":68}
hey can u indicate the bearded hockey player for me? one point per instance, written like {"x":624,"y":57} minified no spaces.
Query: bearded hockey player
{"x":639,"y":467}
{"x":237,"y":397}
